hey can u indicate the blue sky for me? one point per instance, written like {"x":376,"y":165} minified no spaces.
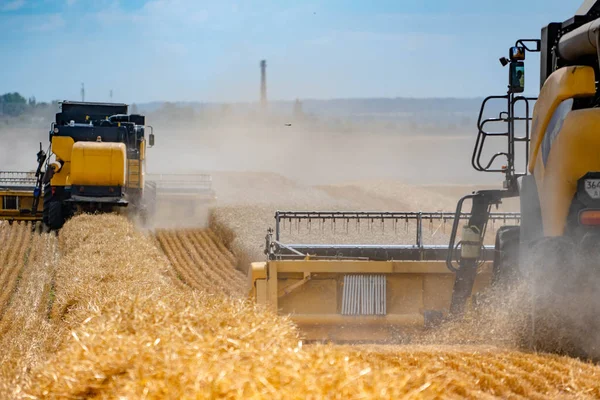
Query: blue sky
{"x":196,"y":50}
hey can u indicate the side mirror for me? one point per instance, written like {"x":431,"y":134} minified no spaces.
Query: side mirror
{"x":517,"y":77}
{"x":517,"y":53}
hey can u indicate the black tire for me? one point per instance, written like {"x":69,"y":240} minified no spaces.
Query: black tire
{"x":46,"y":202}
{"x":564,"y":317}
{"x":505,"y":270}
{"x":56,"y":217}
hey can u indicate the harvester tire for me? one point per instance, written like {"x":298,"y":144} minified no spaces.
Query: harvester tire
{"x":505,"y":270}
{"x":563,"y":319}
{"x":46,"y":203}
{"x":56,"y":217}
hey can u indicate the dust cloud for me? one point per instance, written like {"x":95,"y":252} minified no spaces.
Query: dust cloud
{"x":19,"y":146}
{"x":281,"y":161}
{"x":311,"y":153}
{"x":259,"y":165}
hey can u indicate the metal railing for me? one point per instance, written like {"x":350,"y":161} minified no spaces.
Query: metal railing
{"x":181,"y":183}
{"x":18,"y":180}
{"x":508,"y":118}
{"x":276,"y":249}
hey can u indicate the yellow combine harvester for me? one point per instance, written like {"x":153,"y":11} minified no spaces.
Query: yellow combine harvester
{"x":554,"y":252}
{"x":96,"y":162}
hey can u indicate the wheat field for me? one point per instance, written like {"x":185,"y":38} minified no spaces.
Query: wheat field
{"x":201,"y":260}
{"x":26,"y":272}
{"x":120,"y":313}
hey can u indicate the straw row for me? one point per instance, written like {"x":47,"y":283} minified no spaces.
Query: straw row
{"x":12,"y":260}
{"x":26,"y":334}
{"x":201,"y":260}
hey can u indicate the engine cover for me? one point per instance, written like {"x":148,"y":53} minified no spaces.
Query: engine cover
{"x":98,"y":164}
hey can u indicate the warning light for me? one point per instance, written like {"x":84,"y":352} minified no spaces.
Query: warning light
{"x":589,"y":217}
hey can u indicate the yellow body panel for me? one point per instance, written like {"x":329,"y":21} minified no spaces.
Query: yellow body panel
{"x":311,"y":291}
{"x":98,"y":164}
{"x":143,"y":150}
{"x":62,"y":147}
{"x":565,"y":83}
{"x":575,"y":152}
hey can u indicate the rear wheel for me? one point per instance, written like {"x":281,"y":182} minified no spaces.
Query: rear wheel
{"x":565,"y":302}
{"x":56,"y":215}
{"x":46,"y":203}
{"x":505,"y":271}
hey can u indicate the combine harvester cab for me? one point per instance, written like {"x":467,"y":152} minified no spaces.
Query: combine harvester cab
{"x":364,"y":293}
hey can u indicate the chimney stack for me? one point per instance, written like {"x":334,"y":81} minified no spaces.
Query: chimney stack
{"x":263,"y":84}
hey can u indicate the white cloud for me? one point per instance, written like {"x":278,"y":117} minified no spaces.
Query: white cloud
{"x":71,"y":2}
{"x":11,"y":5}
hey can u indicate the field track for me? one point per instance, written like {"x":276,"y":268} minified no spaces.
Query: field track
{"x":26,"y":273}
{"x":13,"y":258}
{"x":201,"y":260}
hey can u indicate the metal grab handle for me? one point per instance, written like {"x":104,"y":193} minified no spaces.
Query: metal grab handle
{"x":482,"y":108}
{"x":479,"y":144}
{"x":489,"y":164}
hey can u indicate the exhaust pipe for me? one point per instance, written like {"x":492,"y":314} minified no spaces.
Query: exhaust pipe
{"x":581,"y":42}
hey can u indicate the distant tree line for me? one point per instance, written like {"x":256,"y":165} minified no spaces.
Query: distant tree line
{"x":346,"y":116}
{"x":14,"y":104}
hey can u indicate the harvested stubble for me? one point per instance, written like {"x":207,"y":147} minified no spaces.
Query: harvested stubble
{"x":26,"y":334}
{"x":131,"y":331}
{"x":202,"y":261}
{"x":16,"y":242}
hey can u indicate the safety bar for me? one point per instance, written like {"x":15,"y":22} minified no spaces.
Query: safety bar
{"x":417,"y":251}
{"x":12,"y":179}
{"x":508,"y":118}
{"x":180,"y":182}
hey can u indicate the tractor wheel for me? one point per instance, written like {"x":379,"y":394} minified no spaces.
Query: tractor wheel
{"x":56,"y":217}
{"x":564,"y":307}
{"x":46,"y":202}
{"x":505,"y":271}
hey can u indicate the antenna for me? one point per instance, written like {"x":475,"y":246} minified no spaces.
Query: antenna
{"x":111,"y":95}
{"x":82,"y":92}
